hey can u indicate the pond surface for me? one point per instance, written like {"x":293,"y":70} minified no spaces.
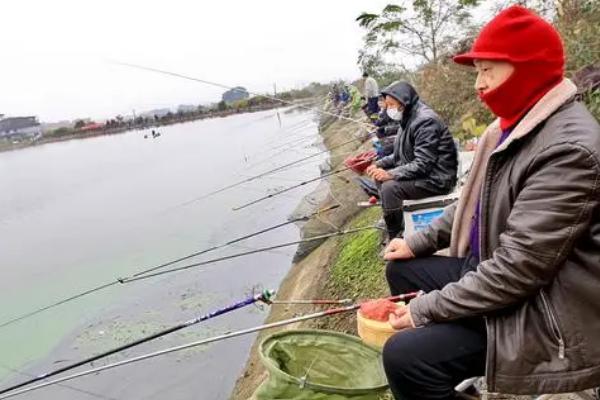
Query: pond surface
{"x":77,"y":214}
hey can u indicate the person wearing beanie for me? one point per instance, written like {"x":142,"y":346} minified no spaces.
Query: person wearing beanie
{"x":517,"y":299}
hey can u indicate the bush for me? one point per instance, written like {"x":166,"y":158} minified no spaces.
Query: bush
{"x":449,"y":88}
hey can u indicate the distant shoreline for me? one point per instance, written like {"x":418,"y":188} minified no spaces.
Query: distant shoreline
{"x":122,"y":129}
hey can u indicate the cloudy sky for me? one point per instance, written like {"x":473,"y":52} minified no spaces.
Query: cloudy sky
{"x":56,"y":55}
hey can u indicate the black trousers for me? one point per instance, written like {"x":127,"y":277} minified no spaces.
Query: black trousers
{"x":428,"y":362}
{"x":392,"y":194}
{"x":372,"y":106}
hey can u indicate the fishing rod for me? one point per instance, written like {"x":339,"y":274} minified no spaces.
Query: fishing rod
{"x":291,"y":135}
{"x":265,"y":296}
{"x":314,"y":302}
{"x":309,"y":162}
{"x":292,"y":131}
{"x":295,"y":139}
{"x":273,"y":156}
{"x":73,"y":388}
{"x":239,"y":239}
{"x":166,"y":264}
{"x":325,"y":313}
{"x":245,"y":253}
{"x":286,"y":147}
{"x":323,"y":176}
{"x":216,"y":84}
{"x":269,"y":196}
{"x":250,"y":179}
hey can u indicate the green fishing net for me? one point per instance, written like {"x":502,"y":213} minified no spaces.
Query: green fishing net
{"x":320,"y":365}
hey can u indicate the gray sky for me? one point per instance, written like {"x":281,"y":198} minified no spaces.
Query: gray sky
{"x":55,"y":54}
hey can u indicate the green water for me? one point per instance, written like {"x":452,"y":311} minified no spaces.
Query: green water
{"x":77,"y":214}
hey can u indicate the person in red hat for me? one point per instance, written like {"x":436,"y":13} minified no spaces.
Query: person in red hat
{"x":517,"y":300}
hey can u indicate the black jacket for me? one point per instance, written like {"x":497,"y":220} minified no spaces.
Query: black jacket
{"x":386,"y":127}
{"x":424,"y":150}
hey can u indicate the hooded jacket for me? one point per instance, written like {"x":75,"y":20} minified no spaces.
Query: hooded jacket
{"x":424,"y":150}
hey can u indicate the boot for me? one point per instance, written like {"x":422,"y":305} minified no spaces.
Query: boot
{"x":394,"y":221}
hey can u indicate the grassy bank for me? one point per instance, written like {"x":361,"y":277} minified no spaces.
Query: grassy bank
{"x":357,"y":271}
{"x":340,"y":267}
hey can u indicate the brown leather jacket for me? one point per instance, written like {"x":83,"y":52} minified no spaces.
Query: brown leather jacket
{"x":538,"y":285}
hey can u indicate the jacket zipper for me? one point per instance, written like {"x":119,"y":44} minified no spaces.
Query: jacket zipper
{"x":555,"y":328}
{"x":488,"y":380}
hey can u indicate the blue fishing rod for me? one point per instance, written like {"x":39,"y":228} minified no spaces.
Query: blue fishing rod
{"x":326,"y":313}
{"x":265,"y":297}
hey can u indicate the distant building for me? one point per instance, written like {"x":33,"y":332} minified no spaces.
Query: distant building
{"x":235,"y":94}
{"x":20,"y":127}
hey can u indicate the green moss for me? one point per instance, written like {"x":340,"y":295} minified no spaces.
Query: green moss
{"x":358,"y":271}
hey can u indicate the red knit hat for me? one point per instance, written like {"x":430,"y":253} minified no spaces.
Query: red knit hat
{"x":533,"y":47}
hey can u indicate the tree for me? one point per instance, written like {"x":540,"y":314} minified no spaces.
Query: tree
{"x":79,"y":124}
{"x":222,"y":106}
{"x":425,"y":30}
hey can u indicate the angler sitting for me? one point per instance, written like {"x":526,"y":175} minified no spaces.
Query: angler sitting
{"x":425,"y":159}
{"x":524,"y":237}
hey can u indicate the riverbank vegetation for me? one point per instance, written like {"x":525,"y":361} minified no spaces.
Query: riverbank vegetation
{"x":83,"y":128}
{"x":415,"y":41}
{"x":220,"y":109}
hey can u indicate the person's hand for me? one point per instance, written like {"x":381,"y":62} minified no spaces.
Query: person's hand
{"x":379,"y":174}
{"x":382,"y":175}
{"x":370,"y":169}
{"x":397,"y":249}
{"x":401,"y":319}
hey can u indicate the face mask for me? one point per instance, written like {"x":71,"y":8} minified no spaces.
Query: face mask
{"x":521,"y":91}
{"x":394,"y":114}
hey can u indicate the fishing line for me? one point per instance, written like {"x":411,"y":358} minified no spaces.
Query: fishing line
{"x":309,"y":162}
{"x":204,"y":196}
{"x":283,"y":150}
{"x":300,"y":137}
{"x":303,"y":183}
{"x":285,"y":140}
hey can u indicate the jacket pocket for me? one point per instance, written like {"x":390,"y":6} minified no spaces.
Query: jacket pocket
{"x":553,"y":325}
